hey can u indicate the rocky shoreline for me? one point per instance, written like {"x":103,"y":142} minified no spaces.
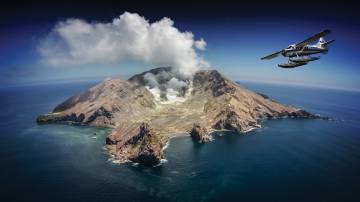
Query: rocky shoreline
{"x":142,"y":123}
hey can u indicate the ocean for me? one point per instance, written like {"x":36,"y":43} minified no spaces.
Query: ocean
{"x":285,"y":160}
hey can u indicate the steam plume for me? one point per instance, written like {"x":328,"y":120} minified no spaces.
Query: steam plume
{"x":131,"y":36}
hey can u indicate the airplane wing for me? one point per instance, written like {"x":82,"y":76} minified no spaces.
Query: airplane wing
{"x":314,"y":38}
{"x":271,"y":56}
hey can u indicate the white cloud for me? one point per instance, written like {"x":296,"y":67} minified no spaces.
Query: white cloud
{"x":176,"y":84}
{"x":200,"y":44}
{"x":130,"y":36}
{"x":151,"y":80}
{"x":166,"y":88}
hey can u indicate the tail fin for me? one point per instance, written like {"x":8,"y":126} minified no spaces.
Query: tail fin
{"x":322,"y":43}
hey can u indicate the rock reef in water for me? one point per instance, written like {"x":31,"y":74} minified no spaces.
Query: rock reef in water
{"x":200,"y":134}
{"x":143,"y":122}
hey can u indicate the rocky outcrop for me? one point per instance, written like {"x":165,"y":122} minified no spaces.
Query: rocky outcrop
{"x":145,"y":147}
{"x":101,"y":115}
{"x":229,"y":120}
{"x":200,"y":134}
{"x":142,"y":124}
{"x":150,"y":146}
{"x":60,"y":118}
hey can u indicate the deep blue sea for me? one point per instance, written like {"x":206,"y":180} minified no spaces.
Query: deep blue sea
{"x":285,"y":160}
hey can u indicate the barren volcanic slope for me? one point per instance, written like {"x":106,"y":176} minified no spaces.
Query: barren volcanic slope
{"x":151,"y":107}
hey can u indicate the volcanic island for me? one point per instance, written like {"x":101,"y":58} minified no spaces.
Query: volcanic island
{"x":149,"y":108}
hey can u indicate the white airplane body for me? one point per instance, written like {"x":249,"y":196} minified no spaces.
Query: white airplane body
{"x":299,"y":54}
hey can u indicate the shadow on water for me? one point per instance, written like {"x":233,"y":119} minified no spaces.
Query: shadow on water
{"x":140,"y":169}
{"x":197,"y":145}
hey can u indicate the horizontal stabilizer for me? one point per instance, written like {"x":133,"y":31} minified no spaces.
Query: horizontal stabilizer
{"x":329,"y":42}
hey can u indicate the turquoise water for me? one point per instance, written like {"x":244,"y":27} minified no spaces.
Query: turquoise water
{"x":285,"y":160}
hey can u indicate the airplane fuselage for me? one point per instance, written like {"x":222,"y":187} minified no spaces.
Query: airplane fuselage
{"x":303,"y":51}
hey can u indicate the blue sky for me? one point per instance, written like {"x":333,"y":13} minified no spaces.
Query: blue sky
{"x":234,"y":47}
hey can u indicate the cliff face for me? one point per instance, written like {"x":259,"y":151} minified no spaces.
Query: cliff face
{"x":143,"y":122}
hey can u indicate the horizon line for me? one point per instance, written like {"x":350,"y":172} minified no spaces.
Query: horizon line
{"x":101,"y":78}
